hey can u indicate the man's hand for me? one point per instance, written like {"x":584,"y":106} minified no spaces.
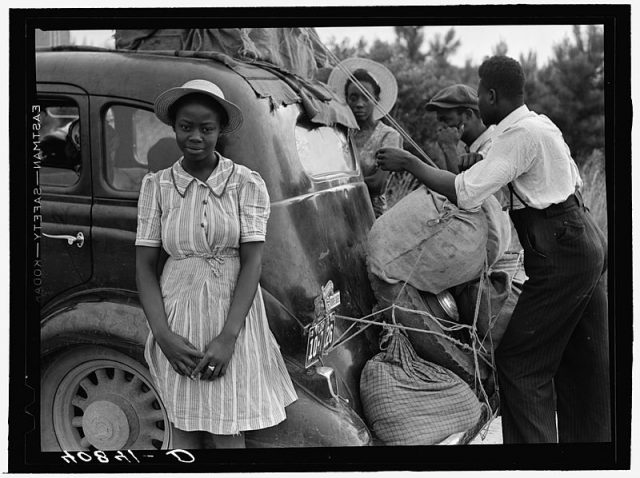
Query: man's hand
{"x":394,"y":159}
{"x":449,"y":135}
{"x":465,"y":161}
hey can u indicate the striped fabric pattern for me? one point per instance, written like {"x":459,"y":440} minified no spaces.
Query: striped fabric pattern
{"x":201,"y":226}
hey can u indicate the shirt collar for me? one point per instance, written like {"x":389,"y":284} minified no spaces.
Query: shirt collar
{"x":217,"y":181}
{"x":511,"y":119}
{"x":482,"y":139}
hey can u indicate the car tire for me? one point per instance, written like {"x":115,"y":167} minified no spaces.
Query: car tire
{"x":98,"y":398}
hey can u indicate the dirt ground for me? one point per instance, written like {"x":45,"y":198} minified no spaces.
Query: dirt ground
{"x":492,"y":436}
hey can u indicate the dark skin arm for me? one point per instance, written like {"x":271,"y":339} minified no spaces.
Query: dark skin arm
{"x":181,"y":353}
{"x":438,"y":180}
{"x":220,"y":349}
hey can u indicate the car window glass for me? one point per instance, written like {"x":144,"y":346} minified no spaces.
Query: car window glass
{"x":323,"y":150}
{"x":61,"y":159}
{"x":136,"y":142}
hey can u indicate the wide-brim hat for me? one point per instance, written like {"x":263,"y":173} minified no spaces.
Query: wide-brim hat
{"x":380,"y":73}
{"x":167,"y":98}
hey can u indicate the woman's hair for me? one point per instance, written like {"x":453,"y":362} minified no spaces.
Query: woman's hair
{"x":504,"y":75}
{"x":200,"y":98}
{"x":362,"y":76}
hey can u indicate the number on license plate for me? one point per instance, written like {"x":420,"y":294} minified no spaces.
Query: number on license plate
{"x":319,"y":340}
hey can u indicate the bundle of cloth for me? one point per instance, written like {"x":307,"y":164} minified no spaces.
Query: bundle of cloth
{"x":426,"y":242}
{"x":409,"y":401}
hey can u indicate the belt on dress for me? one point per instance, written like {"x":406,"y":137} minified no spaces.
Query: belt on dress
{"x":215,"y":258}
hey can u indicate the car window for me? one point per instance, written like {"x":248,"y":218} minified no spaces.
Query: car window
{"x":136,"y":142}
{"x":61,"y":158}
{"x":323,"y":150}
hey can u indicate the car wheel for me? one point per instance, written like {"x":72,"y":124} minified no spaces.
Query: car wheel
{"x":97,"y":398}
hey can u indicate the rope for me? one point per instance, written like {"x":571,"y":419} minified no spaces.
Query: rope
{"x":406,"y":328}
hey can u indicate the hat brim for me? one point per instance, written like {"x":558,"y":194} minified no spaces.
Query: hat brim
{"x":167,"y":98}
{"x":436,"y":105}
{"x":387,"y":82}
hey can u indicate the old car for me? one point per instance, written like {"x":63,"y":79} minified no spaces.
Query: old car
{"x":99,"y":137}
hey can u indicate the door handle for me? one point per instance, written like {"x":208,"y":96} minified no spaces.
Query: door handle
{"x":78,"y":239}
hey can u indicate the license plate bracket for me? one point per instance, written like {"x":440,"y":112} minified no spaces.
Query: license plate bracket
{"x":320,"y":331}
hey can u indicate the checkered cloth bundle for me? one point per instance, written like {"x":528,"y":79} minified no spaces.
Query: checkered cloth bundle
{"x":409,"y":401}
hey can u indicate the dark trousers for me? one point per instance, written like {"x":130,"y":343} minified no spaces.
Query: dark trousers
{"x":558,"y":333}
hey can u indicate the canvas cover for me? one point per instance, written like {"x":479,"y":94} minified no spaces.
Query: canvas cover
{"x":284,"y":76}
{"x":298,"y":50}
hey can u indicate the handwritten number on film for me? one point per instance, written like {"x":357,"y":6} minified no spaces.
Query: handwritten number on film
{"x":128,"y":456}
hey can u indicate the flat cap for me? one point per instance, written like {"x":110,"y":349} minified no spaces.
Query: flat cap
{"x":454,"y":96}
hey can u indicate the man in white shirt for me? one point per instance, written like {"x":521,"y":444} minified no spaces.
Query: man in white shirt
{"x":557,"y":339}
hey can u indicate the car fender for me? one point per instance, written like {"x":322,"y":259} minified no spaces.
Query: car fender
{"x":112,"y":318}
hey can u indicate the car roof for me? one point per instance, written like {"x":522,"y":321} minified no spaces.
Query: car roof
{"x":129,"y":74}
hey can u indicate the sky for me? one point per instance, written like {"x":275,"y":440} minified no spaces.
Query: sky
{"x":477,"y":41}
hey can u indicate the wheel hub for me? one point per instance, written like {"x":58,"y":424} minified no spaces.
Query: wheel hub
{"x":105,"y":425}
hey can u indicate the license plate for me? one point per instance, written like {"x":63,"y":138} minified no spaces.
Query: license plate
{"x":320,"y":338}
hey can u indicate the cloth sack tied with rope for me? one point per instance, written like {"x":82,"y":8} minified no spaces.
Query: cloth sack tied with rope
{"x":428,"y":242}
{"x":409,"y":401}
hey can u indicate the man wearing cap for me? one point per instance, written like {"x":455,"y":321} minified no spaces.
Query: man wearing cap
{"x":553,"y":360}
{"x":456,"y":107}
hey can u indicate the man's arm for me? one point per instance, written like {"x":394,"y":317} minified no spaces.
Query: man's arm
{"x":440,"y":181}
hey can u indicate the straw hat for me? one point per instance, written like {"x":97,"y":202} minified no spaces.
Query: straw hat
{"x":385,"y":79}
{"x":167,"y":98}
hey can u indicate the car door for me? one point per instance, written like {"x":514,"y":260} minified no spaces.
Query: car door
{"x":64,"y":179}
{"x":129,"y":141}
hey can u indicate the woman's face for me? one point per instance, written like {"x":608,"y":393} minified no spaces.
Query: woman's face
{"x":361,"y":106}
{"x":197,"y":127}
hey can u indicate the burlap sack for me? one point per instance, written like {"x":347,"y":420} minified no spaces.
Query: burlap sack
{"x":409,"y":401}
{"x":427,"y":241}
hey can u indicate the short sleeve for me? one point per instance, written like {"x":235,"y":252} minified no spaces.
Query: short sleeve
{"x":254,"y":209}
{"x":391,"y":139}
{"x":149,"y":213}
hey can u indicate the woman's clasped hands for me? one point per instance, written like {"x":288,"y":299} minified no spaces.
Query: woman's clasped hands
{"x":216,"y":357}
{"x":188,"y":361}
{"x":181,"y":354}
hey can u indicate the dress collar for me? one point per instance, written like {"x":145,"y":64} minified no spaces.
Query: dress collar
{"x":511,"y":119}
{"x":217,"y":181}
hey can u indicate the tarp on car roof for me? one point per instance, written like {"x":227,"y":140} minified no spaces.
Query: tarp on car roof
{"x":287,"y":61}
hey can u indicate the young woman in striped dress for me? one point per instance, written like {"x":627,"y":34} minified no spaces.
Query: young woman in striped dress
{"x":210,"y":351}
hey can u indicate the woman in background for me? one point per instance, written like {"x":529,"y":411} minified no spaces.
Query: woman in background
{"x":372,"y":134}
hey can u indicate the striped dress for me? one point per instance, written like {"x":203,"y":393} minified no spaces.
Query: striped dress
{"x":201,"y":225}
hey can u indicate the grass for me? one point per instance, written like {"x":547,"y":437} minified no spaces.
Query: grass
{"x":594,"y":190}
